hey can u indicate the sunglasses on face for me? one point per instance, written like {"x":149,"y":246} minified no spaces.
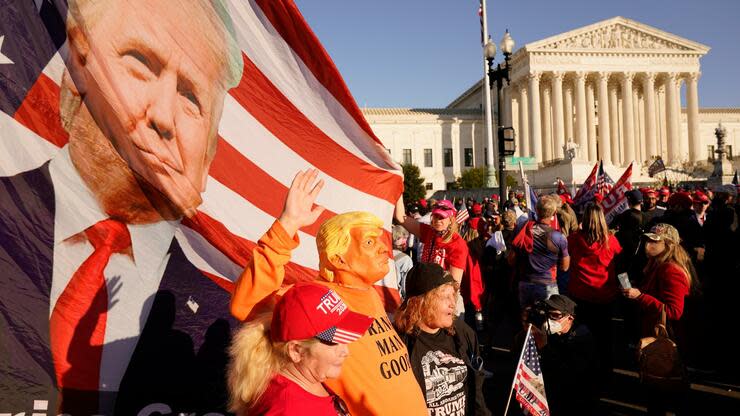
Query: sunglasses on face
{"x":555,"y":315}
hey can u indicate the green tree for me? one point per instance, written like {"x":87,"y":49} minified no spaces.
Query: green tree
{"x":413,"y":183}
{"x":473,"y":178}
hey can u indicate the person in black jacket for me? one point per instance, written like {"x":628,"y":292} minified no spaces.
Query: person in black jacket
{"x":443,"y":350}
{"x":568,"y":359}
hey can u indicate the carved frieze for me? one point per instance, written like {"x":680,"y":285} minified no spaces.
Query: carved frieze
{"x":616,"y":36}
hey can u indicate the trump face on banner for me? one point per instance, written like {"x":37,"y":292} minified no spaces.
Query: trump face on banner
{"x":114,"y":311}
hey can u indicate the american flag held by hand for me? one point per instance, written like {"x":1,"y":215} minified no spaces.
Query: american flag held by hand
{"x":529,"y":385}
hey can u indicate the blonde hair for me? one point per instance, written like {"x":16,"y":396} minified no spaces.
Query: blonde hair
{"x":594,"y":226}
{"x":546,"y":207}
{"x":508,"y":219}
{"x":675,"y":254}
{"x":255,"y":360}
{"x":418,"y":309}
{"x":333,"y":238}
{"x":451,"y":230}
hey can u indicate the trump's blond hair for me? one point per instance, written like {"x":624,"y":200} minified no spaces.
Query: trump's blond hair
{"x":333,"y":238}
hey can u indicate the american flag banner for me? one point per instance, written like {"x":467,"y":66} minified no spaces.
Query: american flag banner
{"x":615,"y":201}
{"x":462,"y":215}
{"x":187,"y":121}
{"x":604,"y":182}
{"x":529,"y":384}
{"x":586,"y":191}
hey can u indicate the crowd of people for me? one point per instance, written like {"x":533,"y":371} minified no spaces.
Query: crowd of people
{"x":557,"y":269}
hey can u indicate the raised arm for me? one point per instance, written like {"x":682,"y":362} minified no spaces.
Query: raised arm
{"x":408,"y":222}
{"x":265,"y":272}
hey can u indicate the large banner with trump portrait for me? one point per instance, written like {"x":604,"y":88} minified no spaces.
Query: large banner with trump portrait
{"x":145,"y":147}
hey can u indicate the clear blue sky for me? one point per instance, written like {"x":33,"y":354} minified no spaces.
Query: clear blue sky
{"x":424,"y":53}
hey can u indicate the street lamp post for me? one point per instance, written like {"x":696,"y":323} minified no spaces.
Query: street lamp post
{"x":505,"y":136}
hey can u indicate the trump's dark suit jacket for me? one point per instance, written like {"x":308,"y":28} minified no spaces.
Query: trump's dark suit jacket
{"x":180,"y":358}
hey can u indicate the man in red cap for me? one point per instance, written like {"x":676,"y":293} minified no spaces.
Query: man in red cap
{"x":650,"y":208}
{"x":663,"y":195}
{"x":700,"y":205}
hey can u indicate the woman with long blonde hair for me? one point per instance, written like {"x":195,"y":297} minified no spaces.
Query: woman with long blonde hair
{"x":666,"y":284}
{"x":667,"y":277}
{"x":593,"y":283}
{"x":279,"y":361}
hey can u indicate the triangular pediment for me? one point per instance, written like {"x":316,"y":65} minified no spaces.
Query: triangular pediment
{"x":618,"y":33}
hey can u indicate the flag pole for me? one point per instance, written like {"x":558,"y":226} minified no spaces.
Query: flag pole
{"x":521,"y":354}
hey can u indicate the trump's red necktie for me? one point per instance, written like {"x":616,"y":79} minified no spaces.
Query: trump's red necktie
{"x":77,"y":325}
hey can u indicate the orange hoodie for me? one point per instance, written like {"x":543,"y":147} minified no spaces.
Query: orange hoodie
{"x":376,"y":378}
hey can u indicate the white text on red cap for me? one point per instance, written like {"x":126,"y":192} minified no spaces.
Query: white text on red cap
{"x":331,"y":303}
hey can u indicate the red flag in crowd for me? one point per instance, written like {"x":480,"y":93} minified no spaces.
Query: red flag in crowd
{"x":587,"y":190}
{"x":616,"y":200}
{"x":562,"y":187}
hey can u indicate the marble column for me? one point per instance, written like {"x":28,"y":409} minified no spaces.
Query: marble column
{"x":640,"y":120}
{"x":535,"y":128}
{"x":524,"y":122}
{"x":547,"y":154}
{"x":515,"y":120}
{"x":628,"y":132}
{"x":604,"y":129}
{"x":614,"y":124}
{"x":581,"y":119}
{"x":507,"y":106}
{"x":648,"y":91}
{"x":692,"y":112}
{"x":672,"y":133}
{"x":636,"y":117}
{"x":557,"y":115}
{"x":568,"y":111}
{"x":592,"y":156}
{"x":683,"y":140}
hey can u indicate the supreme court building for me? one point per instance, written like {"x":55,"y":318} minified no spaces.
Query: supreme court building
{"x":609,"y":91}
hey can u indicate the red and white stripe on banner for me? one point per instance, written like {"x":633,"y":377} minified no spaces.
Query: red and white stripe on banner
{"x":615,"y":201}
{"x":291,"y":111}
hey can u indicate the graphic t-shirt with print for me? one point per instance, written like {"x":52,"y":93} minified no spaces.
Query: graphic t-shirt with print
{"x":442,"y":375}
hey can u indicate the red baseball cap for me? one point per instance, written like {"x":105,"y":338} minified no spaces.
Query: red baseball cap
{"x":310,"y":310}
{"x":664,"y":191}
{"x":423,"y":202}
{"x":477,"y":209}
{"x":700,"y":197}
{"x":443,"y":208}
{"x":682,"y":199}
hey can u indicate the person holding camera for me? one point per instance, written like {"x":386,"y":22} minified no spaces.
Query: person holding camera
{"x":567,"y":356}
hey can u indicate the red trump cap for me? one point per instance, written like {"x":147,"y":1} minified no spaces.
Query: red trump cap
{"x":310,"y":310}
